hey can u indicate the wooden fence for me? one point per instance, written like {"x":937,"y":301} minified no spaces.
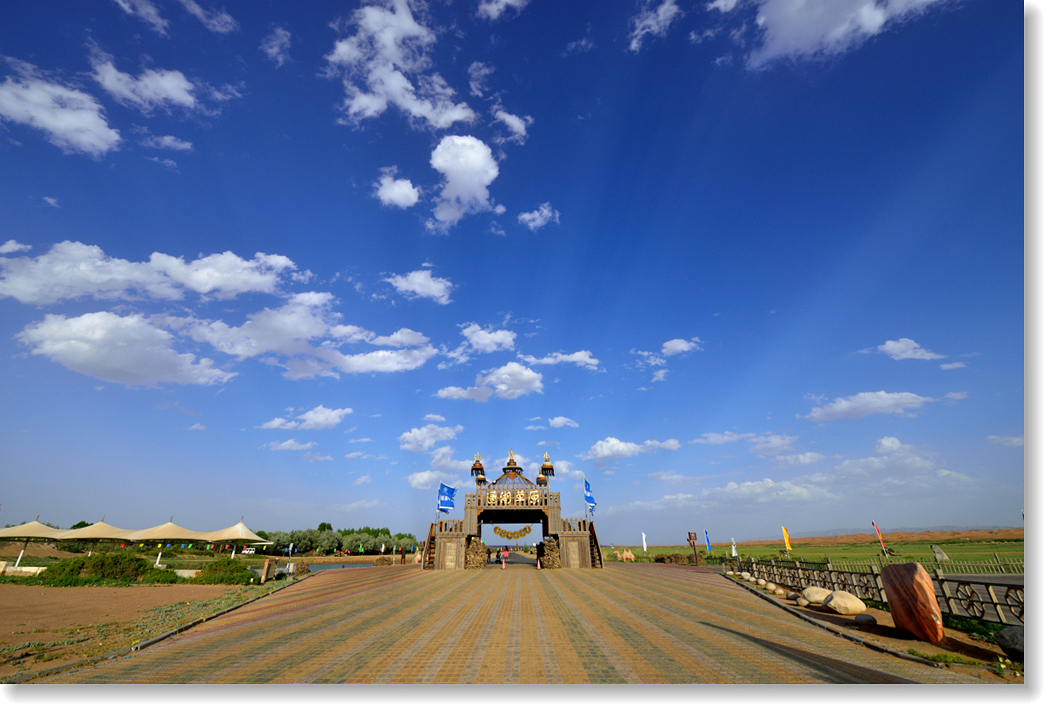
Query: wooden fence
{"x":978,"y":598}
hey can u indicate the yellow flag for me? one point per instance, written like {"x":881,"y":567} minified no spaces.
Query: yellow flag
{"x":786,"y":539}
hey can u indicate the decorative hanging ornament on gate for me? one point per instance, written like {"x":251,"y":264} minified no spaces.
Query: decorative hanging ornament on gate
{"x":512,"y":535}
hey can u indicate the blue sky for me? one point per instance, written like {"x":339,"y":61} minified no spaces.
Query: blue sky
{"x":737,"y":266}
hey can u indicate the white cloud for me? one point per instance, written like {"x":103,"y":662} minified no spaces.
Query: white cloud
{"x":125,"y":350}
{"x":442,"y":461}
{"x":403,"y":337}
{"x":583,"y":358}
{"x":318,"y":418}
{"x":612,"y":448}
{"x":70,"y":270}
{"x":679,"y":346}
{"x":146,"y":11}
{"x":276,"y":45}
{"x":725,"y":438}
{"x":659,"y":375}
{"x":767,"y":490}
{"x":424,"y":480}
{"x":1007,"y":440}
{"x":508,"y":382}
{"x":771,"y":444}
{"x":167,"y":163}
{"x":420,"y":283}
{"x":887,"y":445}
{"x":560,"y":421}
{"x":655,"y":19}
{"x":956,"y":395}
{"x":907,"y":349}
{"x":313,"y":457}
{"x":53,"y":202}
{"x":868,"y":403}
{"x":954,"y":365}
{"x":670,"y":477}
{"x":539,"y":218}
{"x":364,"y":479}
{"x":381,"y":61}
{"x":166,"y":142}
{"x":71,"y":119}
{"x":424,"y":438}
{"x":356,"y":455}
{"x":150,"y":90}
{"x":215,"y":20}
{"x":434,"y":417}
{"x":477,"y":78}
{"x":196,"y":427}
{"x":362,"y":504}
{"x":468,"y":167}
{"x":291,"y":445}
{"x":535,"y":427}
{"x":494,"y":9}
{"x":395,"y":192}
{"x":580,"y":46}
{"x":13,"y":246}
{"x":487,"y":341}
{"x":826,"y":30}
{"x":809,"y":457}
{"x":516,"y":125}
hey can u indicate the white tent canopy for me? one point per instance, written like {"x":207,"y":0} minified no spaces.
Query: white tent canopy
{"x":104,"y":531}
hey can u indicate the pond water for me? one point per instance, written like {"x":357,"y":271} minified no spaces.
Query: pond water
{"x":337,"y":566}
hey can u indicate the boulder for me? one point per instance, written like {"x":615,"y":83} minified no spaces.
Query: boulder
{"x":844,"y":603}
{"x":752,"y":580}
{"x":802,"y":602}
{"x":1012,"y":640}
{"x":779,"y":592}
{"x":815,"y":595}
{"x":912,"y":603}
{"x":730,"y":572}
{"x":865,"y":619}
{"x":762,"y":581}
{"x":771,"y":587}
{"x":745,"y":575}
{"x":792,"y":596}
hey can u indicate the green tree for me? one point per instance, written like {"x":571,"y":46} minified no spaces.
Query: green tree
{"x":323,"y":526}
{"x":79,"y":524}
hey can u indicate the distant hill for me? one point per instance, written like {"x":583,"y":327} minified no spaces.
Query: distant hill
{"x":852,"y":531}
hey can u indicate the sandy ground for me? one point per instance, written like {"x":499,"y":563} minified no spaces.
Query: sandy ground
{"x":9,"y":550}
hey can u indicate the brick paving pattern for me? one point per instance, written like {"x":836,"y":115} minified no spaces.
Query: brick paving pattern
{"x":642,"y":623}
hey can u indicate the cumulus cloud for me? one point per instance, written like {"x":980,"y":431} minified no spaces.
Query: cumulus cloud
{"x":468,"y":168}
{"x":865,"y":404}
{"x":954,"y":365}
{"x":71,"y":119}
{"x":828,"y":29}
{"x":1007,"y":440}
{"x":508,"y":382}
{"x":679,"y":346}
{"x":71,"y":270}
{"x":766,"y":490}
{"x":420,"y":283}
{"x":956,"y":395}
{"x":13,"y":246}
{"x":124,"y":350}
{"x":313,"y":457}
{"x":53,"y":202}
{"x":318,"y":418}
{"x":151,"y":90}
{"x":539,"y":218}
{"x":557,"y":422}
{"x":361,"y":480}
{"x":424,"y":480}
{"x":906,"y":349}
{"x":166,"y":142}
{"x":434,"y":417}
{"x":770,"y":444}
{"x":612,"y":448}
{"x":654,"y":18}
{"x":582,"y":358}
{"x":580,"y":46}
{"x":494,"y":9}
{"x":515,"y":125}
{"x":423,"y":438}
{"x":809,"y":457}
{"x":391,"y":191}
{"x":146,"y":11}
{"x":276,"y":45}
{"x":442,"y":460}
{"x":487,"y":341}
{"x":659,"y":375}
{"x":215,"y":20}
{"x":291,"y":445}
{"x":196,"y":427}
{"x":381,"y":62}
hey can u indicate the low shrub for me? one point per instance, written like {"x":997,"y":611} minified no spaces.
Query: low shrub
{"x":63,"y":570}
{"x":224,"y":571}
{"x":157,"y":576}
{"x":116,"y":566}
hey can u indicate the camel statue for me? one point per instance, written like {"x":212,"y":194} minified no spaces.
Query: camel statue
{"x":627,"y":557}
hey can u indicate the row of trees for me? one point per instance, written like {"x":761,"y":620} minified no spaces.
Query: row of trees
{"x":325,"y":540}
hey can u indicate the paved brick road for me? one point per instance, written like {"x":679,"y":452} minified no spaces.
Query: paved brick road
{"x":625,"y":623}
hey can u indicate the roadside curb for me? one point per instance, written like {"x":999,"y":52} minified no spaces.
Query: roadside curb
{"x":831,"y":628}
{"x":152,"y":641}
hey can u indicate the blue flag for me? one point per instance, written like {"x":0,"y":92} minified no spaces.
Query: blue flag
{"x":590,"y":501}
{"x":446,"y":497}
{"x":707,"y":536}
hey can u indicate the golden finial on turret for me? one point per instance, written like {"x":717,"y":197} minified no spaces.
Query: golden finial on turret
{"x":547,"y":457}
{"x":478,"y":457}
{"x":512,"y":456}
